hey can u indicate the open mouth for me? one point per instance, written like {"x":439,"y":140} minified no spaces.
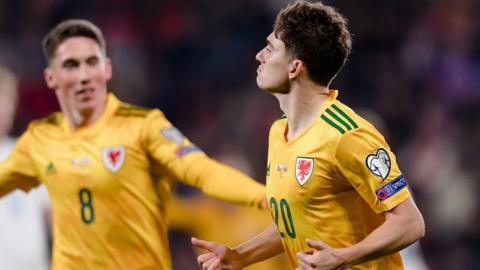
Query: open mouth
{"x":85,"y":94}
{"x":84,"y":90}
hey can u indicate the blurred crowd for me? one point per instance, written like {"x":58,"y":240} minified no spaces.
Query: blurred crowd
{"x":414,"y":72}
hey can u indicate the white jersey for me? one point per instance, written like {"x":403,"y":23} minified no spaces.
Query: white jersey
{"x":23,"y":239}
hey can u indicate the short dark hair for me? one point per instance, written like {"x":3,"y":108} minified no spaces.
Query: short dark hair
{"x":317,"y":35}
{"x":71,"y":28}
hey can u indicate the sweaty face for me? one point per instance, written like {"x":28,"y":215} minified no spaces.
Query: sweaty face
{"x":78,"y":72}
{"x":272,"y":73}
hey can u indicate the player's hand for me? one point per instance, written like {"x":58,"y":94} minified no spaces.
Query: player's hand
{"x":218,"y":256}
{"x":322,"y":257}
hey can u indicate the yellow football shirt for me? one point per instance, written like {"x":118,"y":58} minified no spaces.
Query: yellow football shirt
{"x":238,"y":223}
{"x":332,"y":182}
{"x":109,"y":184}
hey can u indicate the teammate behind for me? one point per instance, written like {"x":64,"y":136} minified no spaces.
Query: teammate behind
{"x":107,"y":164}
{"x":336,"y":194}
{"x":24,"y":218}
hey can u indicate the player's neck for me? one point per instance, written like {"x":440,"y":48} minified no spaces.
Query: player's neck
{"x":77,"y":119}
{"x":301,"y":106}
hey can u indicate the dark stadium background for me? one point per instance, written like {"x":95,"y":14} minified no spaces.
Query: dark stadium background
{"x":414,"y":72}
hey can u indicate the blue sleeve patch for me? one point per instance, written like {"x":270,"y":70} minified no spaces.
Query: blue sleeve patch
{"x":389,"y":189}
{"x":182,"y":151}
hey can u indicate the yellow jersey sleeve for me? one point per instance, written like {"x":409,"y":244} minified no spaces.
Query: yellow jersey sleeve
{"x":366,"y":162}
{"x":188,"y":164}
{"x":17,"y":171}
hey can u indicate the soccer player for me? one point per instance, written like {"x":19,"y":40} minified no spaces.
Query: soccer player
{"x":24,"y":218}
{"x":336,"y":194}
{"x":107,"y":164}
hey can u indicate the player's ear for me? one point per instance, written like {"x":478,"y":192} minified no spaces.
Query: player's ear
{"x":296,"y":67}
{"x":49,"y":78}
{"x":108,"y":68}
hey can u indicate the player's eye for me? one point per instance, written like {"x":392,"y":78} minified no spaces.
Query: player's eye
{"x":92,"y":61}
{"x":69,"y":64}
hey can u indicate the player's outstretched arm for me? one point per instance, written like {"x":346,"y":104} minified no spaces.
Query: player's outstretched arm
{"x":188,"y":164}
{"x":224,"y":182}
{"x":403,"y":226}
{"x":261,"y":247}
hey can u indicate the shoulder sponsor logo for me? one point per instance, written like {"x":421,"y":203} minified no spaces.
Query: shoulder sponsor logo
{"x":389,"y":189}
{"x":173,"y":134}
{"x":113,"y":157}
{"x":303,"y":169}
{"x":379,"y":164}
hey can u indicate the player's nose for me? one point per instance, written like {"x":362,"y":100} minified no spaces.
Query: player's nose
{"x":259,"y":56}
{"x":84,"y":75}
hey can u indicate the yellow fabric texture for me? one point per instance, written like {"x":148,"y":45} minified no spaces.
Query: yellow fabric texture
{"x":109,"y":184}
{"x":199,"y":216}
{"x":320,"y":187}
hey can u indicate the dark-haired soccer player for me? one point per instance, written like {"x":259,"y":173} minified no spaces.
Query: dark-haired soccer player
{"x":106,"y":164}
{"x":336,"y":194}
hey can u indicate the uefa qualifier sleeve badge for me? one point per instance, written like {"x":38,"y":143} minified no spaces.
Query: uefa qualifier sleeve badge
{"x":379,"y":164}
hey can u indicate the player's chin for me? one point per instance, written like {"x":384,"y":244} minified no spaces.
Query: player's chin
{"x":273,"y":88}
{"x":87,"y":106}
{"x":86,"y":110}
{"x":276,"y":90}
{"x":259,"y":82}
{"x":262,"y":85}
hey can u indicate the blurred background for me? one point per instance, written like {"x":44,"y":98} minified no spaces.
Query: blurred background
{"x":414,"y":72}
